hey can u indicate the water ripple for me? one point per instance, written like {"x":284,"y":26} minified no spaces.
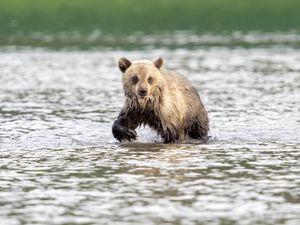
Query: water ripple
{"x":59,"y":163}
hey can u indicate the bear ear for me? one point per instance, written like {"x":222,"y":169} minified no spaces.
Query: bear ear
{"x":158,"y":62}
{"x":124,"y":64}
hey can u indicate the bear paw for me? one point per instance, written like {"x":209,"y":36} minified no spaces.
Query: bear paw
{"x":122,"y":133}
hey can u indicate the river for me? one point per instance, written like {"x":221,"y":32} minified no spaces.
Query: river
{"x":59,"y":163}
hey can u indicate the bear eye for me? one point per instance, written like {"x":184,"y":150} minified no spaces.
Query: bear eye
{"x":150,"y":80}
{"x":135,"y":79}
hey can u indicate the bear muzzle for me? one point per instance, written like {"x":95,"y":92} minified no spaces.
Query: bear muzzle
{"x":143,"y":92}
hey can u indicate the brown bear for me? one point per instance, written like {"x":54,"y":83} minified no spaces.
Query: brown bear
{"x":161,"y":99}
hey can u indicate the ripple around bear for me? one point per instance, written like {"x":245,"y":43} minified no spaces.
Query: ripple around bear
{"x":161,"y":99}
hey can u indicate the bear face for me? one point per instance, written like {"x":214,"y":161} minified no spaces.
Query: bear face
{"x":141,"y":79}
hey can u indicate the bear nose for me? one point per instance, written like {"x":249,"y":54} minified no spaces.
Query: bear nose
{"x":143,"y":92}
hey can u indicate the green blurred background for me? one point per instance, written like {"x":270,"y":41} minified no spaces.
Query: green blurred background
{"x":21,"y":19}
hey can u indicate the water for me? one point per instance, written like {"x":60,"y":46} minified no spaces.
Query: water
{"x":141,"y":40}
{"x":59,"y":163}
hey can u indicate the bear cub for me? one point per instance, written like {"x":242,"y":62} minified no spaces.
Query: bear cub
{"x":161,"y":99}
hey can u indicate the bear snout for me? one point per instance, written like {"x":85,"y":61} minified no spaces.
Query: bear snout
{"x":143,"y":92}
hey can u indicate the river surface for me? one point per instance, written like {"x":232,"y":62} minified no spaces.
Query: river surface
{"x":59,"y":163}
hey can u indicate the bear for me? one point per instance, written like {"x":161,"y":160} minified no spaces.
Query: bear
{"x":161,"y":99}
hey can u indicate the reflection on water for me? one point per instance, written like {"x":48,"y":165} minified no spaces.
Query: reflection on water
{"x":60,"y":164}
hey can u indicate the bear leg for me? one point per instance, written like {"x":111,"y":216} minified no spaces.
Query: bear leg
{"x":169,"y":136}
{"x":122,"y":132}
{"x":197,"y":131}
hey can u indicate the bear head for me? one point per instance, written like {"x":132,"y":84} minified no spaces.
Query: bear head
{"x":142,"y":79}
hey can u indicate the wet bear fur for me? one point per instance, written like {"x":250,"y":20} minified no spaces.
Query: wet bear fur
{"x":161,"y":99}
